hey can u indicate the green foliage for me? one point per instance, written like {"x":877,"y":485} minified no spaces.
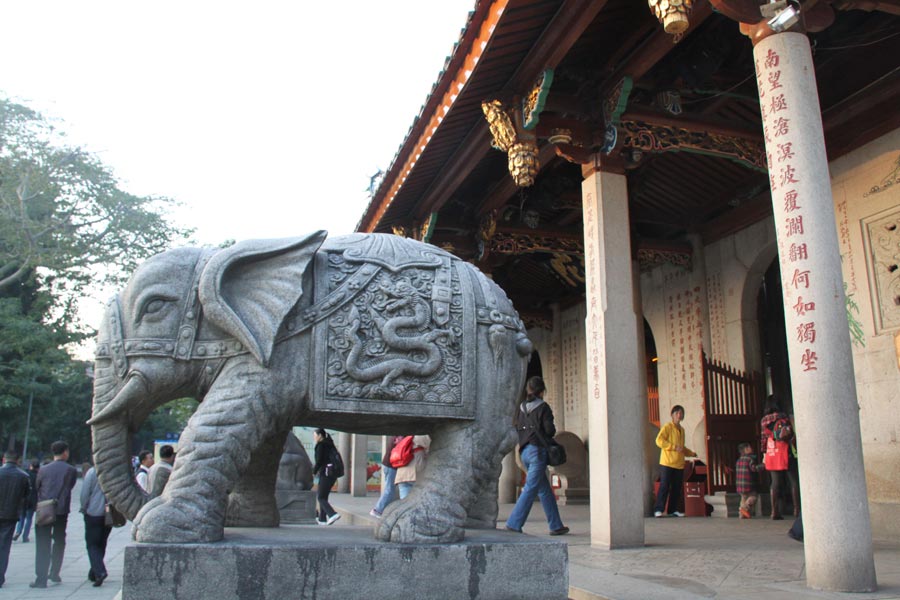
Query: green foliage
{"x":64,"y":216}
{"x":65,"y":224}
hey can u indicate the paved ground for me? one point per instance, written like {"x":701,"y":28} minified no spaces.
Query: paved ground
{"x":683,"y":559}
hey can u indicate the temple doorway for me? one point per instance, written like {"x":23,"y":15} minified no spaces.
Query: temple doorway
{"x":773,"y":338}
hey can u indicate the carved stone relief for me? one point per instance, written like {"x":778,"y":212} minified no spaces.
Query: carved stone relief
{"x":882,"y":239}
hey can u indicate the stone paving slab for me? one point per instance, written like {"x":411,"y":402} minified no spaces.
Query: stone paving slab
{"x":686,"y":559}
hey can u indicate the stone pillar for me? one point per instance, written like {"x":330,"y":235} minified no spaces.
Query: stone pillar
{"x":345,"y":447}
{"x":615,"y":398}
{"x":509,"y":474}
{"x":360,"y":462}
{"x":837,"y":534}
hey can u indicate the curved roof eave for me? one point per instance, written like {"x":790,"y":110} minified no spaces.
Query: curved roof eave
{"x":457,"y":71}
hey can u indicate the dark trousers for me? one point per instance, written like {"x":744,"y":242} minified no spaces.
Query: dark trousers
{"x":96,"y":533}
{"x":7,"y":527}
{"x":50,"y":546}
{"x":669,"y":489}
{"x":325,"y":509}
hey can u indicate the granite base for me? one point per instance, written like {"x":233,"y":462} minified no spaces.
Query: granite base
{"x":339,"y":563}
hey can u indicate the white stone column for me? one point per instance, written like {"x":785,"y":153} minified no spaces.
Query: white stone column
{"x":615,"y":398}
{"x":345,"y":447}
{"x":360,"y":462}
{"x":506,"y":487}
{"x":837,"y":534}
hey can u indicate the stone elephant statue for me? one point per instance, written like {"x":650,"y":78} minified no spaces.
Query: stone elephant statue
{"x":366,"y":333}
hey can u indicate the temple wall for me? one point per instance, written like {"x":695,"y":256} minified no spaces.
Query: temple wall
{"x":866,"y":187}
{"x":564,"y":365}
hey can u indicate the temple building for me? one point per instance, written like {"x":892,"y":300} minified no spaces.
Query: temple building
{"x":692,"y":202}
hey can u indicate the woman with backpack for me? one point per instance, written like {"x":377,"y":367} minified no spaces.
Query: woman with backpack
{"x":777,"y":435}
{"x":328,"y":467}
{"x":406,"y":474}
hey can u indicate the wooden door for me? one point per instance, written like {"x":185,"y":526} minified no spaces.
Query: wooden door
{"x":732,"y":401}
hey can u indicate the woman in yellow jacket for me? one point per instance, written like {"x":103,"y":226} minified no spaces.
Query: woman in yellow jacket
{"x":671,"y":464}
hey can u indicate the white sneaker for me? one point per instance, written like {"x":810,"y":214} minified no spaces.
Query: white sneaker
{"x":658,"y":514}
{"x":318,"y":522}
{"x":375,"y":513}
{"x":677,"y":514}
{"x":332,"y":518}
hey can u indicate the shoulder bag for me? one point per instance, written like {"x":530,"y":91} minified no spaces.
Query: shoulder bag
{"x":45,"y":512}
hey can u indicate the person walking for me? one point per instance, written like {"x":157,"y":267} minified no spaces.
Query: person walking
{"x":671,"y":464}
{"x":534,"y":425}
{"x":159,"y":473}
{"x":54,"y":482}
{"x":325,"y":469}
{"x":777,"y":436}
{"x":14,"y":489}
{"x":23,"y":528}
{"x":407,"y":474}
{"x":388,"y":474}
{"x":142,"y":476}
{"x":96,"y":531}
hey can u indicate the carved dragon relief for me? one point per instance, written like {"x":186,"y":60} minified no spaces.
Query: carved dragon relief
{"x":402,"y":337}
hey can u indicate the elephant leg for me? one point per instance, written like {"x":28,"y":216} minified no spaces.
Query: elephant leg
{"x":433,"y":512}
{"x":482,"y":512}
{"x":231,"y":423}
{"x":252,"y":502}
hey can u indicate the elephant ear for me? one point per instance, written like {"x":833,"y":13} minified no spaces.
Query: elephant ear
{"x":249,"y":288}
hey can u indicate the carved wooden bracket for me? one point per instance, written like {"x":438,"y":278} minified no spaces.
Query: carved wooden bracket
{"x":649,"y":137}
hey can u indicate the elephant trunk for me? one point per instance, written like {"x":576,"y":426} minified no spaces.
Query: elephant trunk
{"x":111,"y":429}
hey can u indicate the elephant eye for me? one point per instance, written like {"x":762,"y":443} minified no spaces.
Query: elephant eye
{"x":153,"y":307}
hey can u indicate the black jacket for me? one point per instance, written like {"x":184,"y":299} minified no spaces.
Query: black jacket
{"x":323,"y":456}
{"x":14,"y":489}
{"x":534,"y":415}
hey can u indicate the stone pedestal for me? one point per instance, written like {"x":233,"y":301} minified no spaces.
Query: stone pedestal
{"x":336,"y":563}
{"x":296,"y":506}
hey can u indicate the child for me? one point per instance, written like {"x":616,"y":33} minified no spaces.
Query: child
{"x":746,"y":470}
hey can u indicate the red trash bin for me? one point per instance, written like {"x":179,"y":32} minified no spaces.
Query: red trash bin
{"x":695,"y":489}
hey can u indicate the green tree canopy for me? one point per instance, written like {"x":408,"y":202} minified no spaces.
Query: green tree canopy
{"x":64,"y":216}
{"x":65,"y":224}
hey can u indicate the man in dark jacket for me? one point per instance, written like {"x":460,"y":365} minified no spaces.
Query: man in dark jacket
{"x":54,"y":482}
{"x":23,"y":528}
{"x":14,"y":488}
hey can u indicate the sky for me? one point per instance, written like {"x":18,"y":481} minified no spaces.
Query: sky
{"x":265,"y":119}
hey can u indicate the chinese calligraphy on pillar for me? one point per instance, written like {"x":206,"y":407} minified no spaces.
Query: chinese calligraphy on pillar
{"x":784,"y":155}
{"x":594,"y":309}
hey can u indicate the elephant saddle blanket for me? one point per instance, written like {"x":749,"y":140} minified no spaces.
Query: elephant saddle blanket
{"x":394,"y":325}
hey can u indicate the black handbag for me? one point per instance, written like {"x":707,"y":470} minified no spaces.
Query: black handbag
{"x":556,"y":454}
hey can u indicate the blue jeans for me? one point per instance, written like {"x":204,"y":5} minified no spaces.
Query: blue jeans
{"x":536,"y":484}
{"x":23,"y":527}
{"x":387,"y":491}
{"x":405,"y":488}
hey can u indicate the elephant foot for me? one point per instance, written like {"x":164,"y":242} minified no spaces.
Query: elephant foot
{"x":249,"y":510}
{"x":420,"y":519}
{"x":162,"y":521}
